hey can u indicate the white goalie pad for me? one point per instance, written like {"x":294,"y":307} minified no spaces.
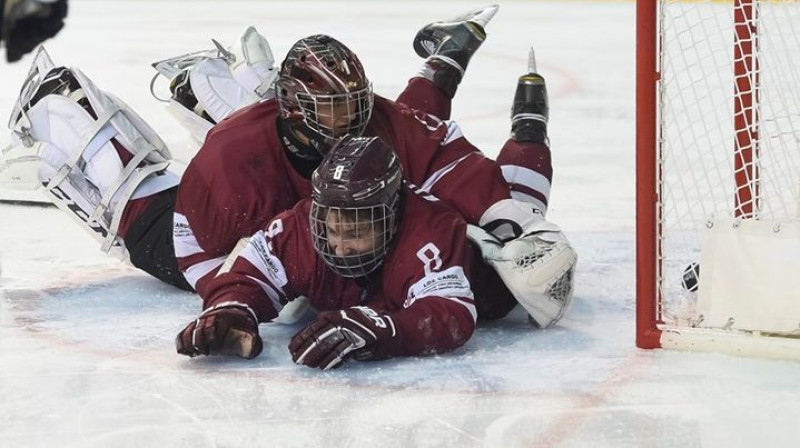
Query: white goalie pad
{"x":218,"y":92}
{"x":537,"y":268}
{"x":220,"y":81}
{"x":57,"y":143}
{"x":254,"y":67}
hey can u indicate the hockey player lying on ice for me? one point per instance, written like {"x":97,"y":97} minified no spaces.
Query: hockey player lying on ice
{"x":391,"y":272}
{"x":103,"y":164}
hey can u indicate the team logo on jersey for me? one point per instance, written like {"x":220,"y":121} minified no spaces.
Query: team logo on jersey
{"x":448,"y":283}
{"x":181,"y":230}
{"x":259,"y":254}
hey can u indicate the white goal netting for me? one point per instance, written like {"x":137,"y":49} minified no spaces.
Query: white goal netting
{"x":729,"y":127}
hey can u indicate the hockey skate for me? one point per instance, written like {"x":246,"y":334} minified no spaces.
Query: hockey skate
{"x":530,"y":254}
{"x":89,"y":150}
{"x":448,"y":46}
{"x":530,"y":112}
{"x":207,"y":86}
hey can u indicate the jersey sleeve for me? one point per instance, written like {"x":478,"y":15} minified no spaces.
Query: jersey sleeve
{"x":278,"y":264}
{"x":427,"y":291}
{"x":421,"y":94}
{"x":440,"y":163}
{"x":263,"y":271}
{"x":528,"y":169}
{"x":223,"y":195}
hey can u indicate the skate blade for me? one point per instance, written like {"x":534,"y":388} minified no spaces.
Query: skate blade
{"x":532,"y":61}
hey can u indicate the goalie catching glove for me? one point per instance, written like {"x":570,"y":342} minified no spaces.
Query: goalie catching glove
{"x":229,"y":328}
{"x":334,"y":336}
{"x":537,"y":266}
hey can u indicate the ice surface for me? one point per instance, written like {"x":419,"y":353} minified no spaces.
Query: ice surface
{"x":86,"y":343}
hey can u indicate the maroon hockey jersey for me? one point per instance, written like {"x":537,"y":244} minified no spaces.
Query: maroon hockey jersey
{"x":423,"y":282}
{"x":242,"y":178}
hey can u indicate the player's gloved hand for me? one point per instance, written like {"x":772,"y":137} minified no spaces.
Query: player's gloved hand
{"x":229,"y":328}
{"x":334,"y":336}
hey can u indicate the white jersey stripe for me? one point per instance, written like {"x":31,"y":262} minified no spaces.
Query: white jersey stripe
{"x":438,"y":175}
{"x":197,"y":271}
{"x":522,"y":197}
{"x":453,"y":132}
{"x":273,"y":295}
{"x":527,"y":177}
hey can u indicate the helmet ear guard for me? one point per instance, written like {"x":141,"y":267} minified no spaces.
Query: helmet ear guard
{"x":355,"y":205}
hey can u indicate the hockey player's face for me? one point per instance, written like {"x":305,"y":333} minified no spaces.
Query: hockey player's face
{"x":336,"y":116}
{"x":350,"y":237}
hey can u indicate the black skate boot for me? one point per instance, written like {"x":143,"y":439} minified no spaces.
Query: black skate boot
{"x":448,"y":46}
{"x":530,"y":111}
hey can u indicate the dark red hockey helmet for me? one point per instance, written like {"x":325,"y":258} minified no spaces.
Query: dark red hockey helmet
{"x":322,"y":87}
{"x":355,"y":205}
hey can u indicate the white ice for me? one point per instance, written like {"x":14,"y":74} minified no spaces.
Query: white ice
{"x":86,"y":343}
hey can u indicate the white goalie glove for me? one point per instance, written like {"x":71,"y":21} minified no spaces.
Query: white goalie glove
{"x":537,"y":267}
{"x":207,"y":86}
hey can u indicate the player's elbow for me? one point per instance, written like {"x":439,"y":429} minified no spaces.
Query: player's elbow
{"x":460,"y":330}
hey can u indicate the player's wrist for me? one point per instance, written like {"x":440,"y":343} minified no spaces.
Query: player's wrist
{"x":387,"y":342}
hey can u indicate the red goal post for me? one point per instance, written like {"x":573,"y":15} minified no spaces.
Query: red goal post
{"x":718,"y":175}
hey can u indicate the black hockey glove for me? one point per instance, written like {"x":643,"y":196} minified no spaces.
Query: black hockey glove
{"x":28,"y":23}
{"x":334,"y":336}
{"x":229,"y":328}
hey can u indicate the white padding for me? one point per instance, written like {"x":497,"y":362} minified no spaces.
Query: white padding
{"x":217,"y":90}
{"x":134,"y":132}
{"x":197,"y":126}
{"x":538,"y":269}
{"x":78,"y":163}
{"x":750,"y":277}
{"x":19,"y":166}
{"x":63,"y":123}
{"x":529,"y":218}
{"x":257,"y":72}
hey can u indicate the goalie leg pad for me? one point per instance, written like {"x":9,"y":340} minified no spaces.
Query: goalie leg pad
{"x":71,"y":128}
{"x":537,"y":268}
{"x":218,"y":93}
{"x":207,"y":86}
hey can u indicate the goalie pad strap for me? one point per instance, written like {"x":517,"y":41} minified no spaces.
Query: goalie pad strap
{"x":87,"y":141}
{"x":108,"y":195}
{"x":141,"y":175}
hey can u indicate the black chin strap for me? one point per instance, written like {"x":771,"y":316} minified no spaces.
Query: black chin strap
{"x":305,"y":158}
{"x":316,"y":147}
